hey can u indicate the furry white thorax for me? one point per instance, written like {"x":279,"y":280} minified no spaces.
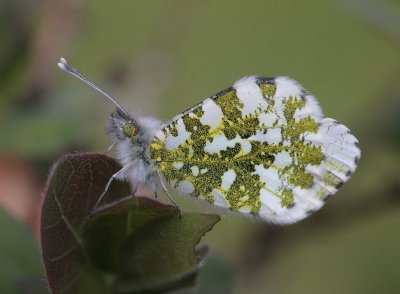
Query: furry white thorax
{"x":134,"y":154}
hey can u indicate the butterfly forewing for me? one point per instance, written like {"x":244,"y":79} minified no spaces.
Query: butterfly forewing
{"x":262,"y":146}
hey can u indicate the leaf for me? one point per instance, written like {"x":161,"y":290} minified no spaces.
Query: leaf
{"x":19,"y":256}
{"x":132,"y":244}
{"x":75,"y":183}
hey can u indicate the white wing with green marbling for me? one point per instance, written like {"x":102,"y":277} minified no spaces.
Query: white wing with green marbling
{"x":262,"y":146}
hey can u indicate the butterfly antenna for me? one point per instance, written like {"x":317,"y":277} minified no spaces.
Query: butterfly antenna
{"x":65,"y":66}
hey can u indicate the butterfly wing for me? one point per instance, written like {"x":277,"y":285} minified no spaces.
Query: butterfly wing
{"x":262,"y":146}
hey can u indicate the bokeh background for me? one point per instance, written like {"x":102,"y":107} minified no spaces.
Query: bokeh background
{"x":161,"y":57}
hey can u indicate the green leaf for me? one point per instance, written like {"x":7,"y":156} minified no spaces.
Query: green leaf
{"x":131,"y":244}
{"x":19,"y":257}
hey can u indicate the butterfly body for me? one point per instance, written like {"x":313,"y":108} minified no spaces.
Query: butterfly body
{"x":132,"y":138}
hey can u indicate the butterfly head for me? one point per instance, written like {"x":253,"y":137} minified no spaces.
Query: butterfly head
{"x":123,"y":126}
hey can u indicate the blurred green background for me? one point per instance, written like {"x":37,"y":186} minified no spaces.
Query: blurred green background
{"x":161,"y":57}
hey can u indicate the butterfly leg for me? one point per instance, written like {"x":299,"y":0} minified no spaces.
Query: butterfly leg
{"x":169,"y":196}
{"x":135,"y":189}
{"x":109,"y":148}
{"x":114,"y":176}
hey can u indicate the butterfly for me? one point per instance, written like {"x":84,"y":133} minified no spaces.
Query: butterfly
{"x":261,"y":147}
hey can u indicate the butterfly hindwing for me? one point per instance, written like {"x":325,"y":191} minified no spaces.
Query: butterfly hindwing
{"x":262,"y":146}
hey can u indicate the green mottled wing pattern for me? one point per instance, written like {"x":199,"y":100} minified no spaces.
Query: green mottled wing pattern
{"x":262,"y":146}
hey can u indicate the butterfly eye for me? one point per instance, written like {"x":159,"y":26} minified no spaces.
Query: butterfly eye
{"x":129,"y":130}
